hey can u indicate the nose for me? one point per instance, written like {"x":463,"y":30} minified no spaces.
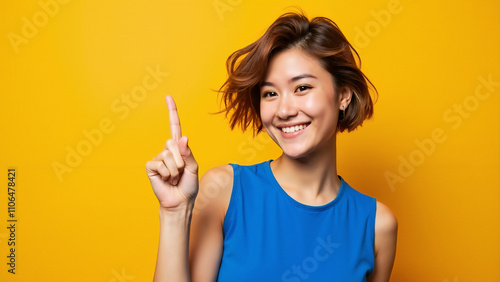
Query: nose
{"x":286,"y":107}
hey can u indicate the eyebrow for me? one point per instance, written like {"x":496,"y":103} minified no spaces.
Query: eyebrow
{"x":293,"y":79}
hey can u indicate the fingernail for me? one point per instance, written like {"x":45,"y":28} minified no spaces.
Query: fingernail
{"x":174,"y":182}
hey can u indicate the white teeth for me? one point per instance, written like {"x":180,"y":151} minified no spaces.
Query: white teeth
{"x":293,"y":128}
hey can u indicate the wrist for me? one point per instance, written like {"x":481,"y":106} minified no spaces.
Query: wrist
{"x":180,"y":212}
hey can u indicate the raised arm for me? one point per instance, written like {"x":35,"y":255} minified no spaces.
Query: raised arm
{"x":173,"y":174}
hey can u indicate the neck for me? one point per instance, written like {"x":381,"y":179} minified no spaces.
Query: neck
{"x":311,"y":179}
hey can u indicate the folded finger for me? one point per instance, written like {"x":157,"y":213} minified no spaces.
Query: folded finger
{"x":172,"y":146}
{"x":172,"y":167}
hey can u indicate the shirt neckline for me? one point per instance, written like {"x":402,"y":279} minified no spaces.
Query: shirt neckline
{"x":277,"y":186}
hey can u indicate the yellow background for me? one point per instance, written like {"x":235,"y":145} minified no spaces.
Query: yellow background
{"x":99,"y":221}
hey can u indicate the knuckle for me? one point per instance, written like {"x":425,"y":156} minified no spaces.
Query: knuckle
{"x":162,"y":168}
{"x":165,"y":175}
{"x":174,"y":174}
{"x":195,"y":167}
{"x":170,"y":142}
{"x":166,"y":154}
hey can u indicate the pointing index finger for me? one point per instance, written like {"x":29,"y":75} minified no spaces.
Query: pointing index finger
{"x":175,"y":123}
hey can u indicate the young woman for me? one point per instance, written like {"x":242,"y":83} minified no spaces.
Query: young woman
{"x":289,"y":219}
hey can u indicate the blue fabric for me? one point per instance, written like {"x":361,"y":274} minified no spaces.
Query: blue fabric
{"x":268,"y":236}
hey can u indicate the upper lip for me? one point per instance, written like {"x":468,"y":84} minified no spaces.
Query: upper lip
{"x":291,"y":124}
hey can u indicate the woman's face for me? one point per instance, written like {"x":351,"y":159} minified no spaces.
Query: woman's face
{"x":299,"y":107}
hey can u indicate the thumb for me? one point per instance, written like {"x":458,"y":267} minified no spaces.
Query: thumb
{"x":187,"y":155}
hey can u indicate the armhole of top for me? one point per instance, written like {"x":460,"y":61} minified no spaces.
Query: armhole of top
{"x":371,"y":228}
{"x":232,"y":200}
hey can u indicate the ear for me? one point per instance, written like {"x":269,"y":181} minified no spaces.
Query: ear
{"x":345,"y":95}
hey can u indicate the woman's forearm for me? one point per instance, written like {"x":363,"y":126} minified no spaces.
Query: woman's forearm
{"x":172,"y":263}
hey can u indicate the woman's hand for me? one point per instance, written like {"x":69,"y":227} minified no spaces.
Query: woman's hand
{"x":173,"y":173}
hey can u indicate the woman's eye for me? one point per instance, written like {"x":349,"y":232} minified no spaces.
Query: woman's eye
{"x":303,"y":88}
{"x":266,"y":94}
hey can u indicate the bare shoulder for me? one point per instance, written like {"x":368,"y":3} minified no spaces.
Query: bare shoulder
{"x":217,"y":179}
{"x":215,"y":190}
{"x":385,"y":220}
{"x":219,"y":174}
{"x":386,"y":229}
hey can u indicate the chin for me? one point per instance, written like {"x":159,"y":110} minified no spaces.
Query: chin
{"x":296,"y":153}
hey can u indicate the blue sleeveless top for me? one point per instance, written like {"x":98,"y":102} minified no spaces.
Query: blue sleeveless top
{"x":269,"y":236}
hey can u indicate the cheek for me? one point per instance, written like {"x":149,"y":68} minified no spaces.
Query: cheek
{"x":324,"y":108}
{"x":266,"y":114}
{"x":311,"y":104}
{"x":316,"y":105}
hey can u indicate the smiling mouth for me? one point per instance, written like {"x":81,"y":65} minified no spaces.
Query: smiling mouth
{"x":292,"y":129}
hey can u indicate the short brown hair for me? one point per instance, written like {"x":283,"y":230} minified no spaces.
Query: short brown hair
{"x":320,"y":38}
